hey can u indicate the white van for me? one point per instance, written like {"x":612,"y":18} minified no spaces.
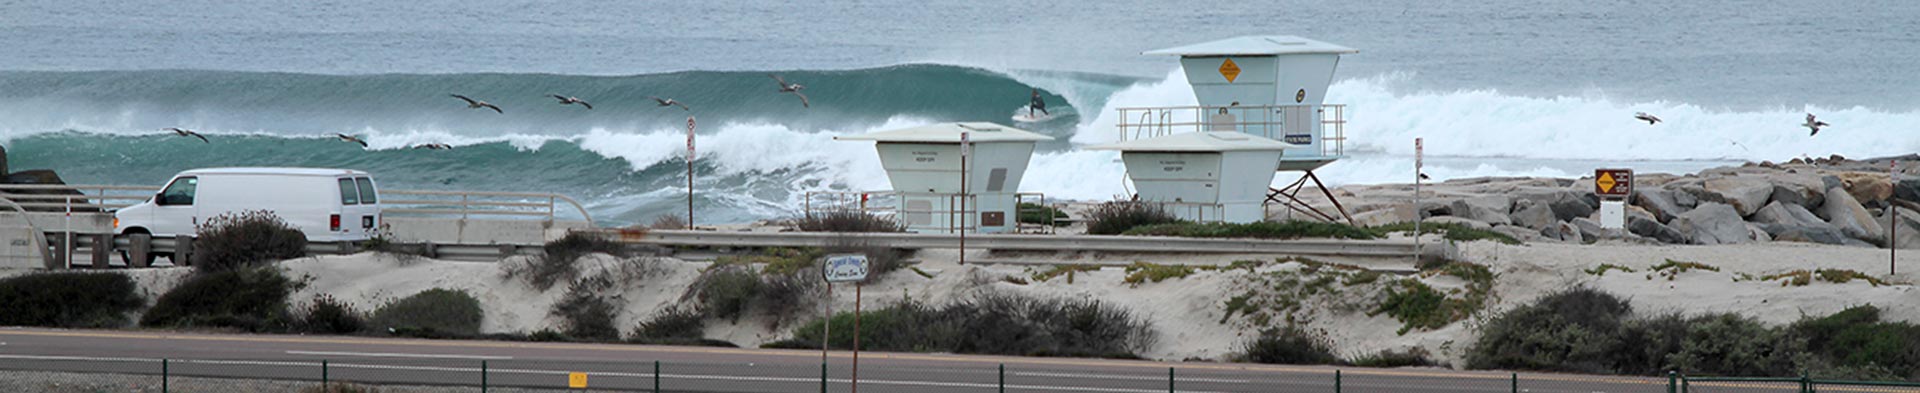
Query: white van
{"x":326,"y":204}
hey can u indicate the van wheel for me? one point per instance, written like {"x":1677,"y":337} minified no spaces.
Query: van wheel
{"x":125,"y":256}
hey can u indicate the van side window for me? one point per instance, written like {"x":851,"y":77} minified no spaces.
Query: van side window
{"x":366,"y":190}
{"x":180,"y":193}
{"x":349,"y":195}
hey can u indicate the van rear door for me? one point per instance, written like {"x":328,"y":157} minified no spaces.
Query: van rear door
{"x":359,"y":207}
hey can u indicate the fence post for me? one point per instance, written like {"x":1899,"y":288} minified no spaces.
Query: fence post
{"x":1516,"y":383}
{"x":1336,"y":381}
{"x":1169,"y":379}
{"x":823,"y":377}
{"x":1003,"y":378}
{"x":483,"y":376}
{"x":323,"y":375}
{"x":1673,"y":381}
{"x":1806,"y":382}
{"x":656,"y":376}
{"x":164,"y":375}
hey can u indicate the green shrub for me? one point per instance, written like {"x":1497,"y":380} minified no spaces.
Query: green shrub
{"x":1288,"y":345}
{"x":1033,"y":213}
{"x":331,"y":316}
{"x":672,"y":325}
{"x":556,"y":262}
{"x":437,"y":312}
{"x":669,"y":221}
{"x":1729,"y":345}
{"x":727,"y":292}
{"x":1411,"y":357}
{"x":1855,"y":343}
{"x":1842,"y":276}
{"x":68,"y":299}
{"x":1141,"y":272}
{"x":992,"y":324}
{"x":1671,"y":269}
{"x":246,"y":299}
{"x":846,"y":220}
{"x":1450,"y":231}
{"x":383,"y":242}
{"x":586,"y":313}
{"x":1066,"y":270}
{"x":245,"y":239}
{"x":1604,"y":267}
{"x":1113,"y":218}
{"x":1576,"y":330}
{"x":1255,"y":230}
{"x":1417,"y":306}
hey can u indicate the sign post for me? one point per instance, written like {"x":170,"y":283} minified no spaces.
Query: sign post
{"x":1613,"y":186}
{"x":966,"y":148}
{"x":844,"y":268}
{"x":1419,"y":171}
{"x":1893,"y":222}
{"x":689,"y":172}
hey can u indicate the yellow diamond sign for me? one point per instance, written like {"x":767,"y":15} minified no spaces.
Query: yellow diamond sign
{"x":1229,"y":70}
{"x":577,"y":380}
{"x":1613,"y":184}
{"x":1605,"y":183}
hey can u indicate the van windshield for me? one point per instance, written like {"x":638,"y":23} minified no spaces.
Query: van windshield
{"x":366,"y":190}
{"x":180,"y":192}
{"x":349,"y":195}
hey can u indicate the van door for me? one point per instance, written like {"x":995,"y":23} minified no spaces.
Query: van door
{"x":174,"y":211}
{"x":367,"y":214}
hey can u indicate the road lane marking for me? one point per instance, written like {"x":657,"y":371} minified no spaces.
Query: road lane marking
{"x":399,"y":355}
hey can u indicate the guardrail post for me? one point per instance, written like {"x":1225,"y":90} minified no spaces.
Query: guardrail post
{"x":1336,"y":381}
{"x":139,"y":246}
{"x":483,"y":376}
{"x":183,"y":250}
{"x":102,"y":251}
{"x":1003,"y":378}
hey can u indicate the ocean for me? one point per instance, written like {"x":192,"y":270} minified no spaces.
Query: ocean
{"x":1497,"y":88}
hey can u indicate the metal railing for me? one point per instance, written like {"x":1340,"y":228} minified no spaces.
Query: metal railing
{"x":1288,"y":123}
{"x":464,"y":204}
{"x":1802,"y":384}
{"x":896,"y":206}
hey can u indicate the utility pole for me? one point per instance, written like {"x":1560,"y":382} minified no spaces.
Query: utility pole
{"x":966,"y":147}
{"x":689,"y":172}
{"x":1419,"y":162}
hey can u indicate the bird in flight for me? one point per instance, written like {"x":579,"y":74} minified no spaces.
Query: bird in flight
{"x":477,"y":104}
{"x":433,"y":146}
{"x":670,"y":102}
{"x":1423,"y":176}
{"x":791,"y":88}
{"x":565,"y":100}
{"x":350,"y":138}
{"x":1643,"y":116}
{"x":1814,"y":124}
{"x":185,"y":132}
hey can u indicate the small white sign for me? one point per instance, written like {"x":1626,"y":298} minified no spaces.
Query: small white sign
{"x":846,"y":267}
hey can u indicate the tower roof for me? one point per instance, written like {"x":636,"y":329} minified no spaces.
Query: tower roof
{"x":1254,"y":45}
{"x":950,"y":133}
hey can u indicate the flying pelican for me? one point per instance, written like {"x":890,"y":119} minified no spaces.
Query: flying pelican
{"x":434,"y":146}
{"x":791,"y":88}
{"x":477,"y":104}
{"x":565,"y":100}
{"x":1643,"y":116}
{"x":350,"y":138}
{"x":184,"y":132}
{"x":670,"y":102}
{"x":1813,"y":124}
{"x":1423,"y":176}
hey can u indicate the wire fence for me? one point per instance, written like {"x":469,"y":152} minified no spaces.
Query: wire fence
{"x":33,"y":373}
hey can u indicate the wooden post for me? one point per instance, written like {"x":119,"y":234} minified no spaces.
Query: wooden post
{"x":139,"y":248}
{"x":182,"y":250}
{"x":103,"y":251}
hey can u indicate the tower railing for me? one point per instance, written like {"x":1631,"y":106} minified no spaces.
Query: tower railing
{"x":1287,"y":123}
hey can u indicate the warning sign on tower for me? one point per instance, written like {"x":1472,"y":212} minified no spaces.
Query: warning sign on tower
{"x":1613,"y":183}
{"x":1229,"y":70}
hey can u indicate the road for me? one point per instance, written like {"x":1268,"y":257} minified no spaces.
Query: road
{"x":703,"y":369}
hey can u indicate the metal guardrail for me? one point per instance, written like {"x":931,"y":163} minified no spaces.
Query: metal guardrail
{"x":92,"y":197}
{"x":893,"y":205}
{"x":1275,"y":122}
{"x":1141,"y":244}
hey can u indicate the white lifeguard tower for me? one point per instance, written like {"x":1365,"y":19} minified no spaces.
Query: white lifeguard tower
{"x":1203,"y":176}
{"x":1266,"y":86}
{"x":933,"y":192}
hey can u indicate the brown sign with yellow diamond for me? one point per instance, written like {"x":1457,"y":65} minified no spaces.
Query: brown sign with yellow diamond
{"x":1613,"y":183}
{"x":1229,"y":70}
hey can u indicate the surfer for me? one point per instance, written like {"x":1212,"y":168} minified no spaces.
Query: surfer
{"x":1037,"y":103}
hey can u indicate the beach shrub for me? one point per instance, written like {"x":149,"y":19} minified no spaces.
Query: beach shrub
{"x":1730,"y":345}
{"x":673,"y":325}
{"x":1113,"y":218}
{"x":1410,"y":357}
{"x":1288,"y":345}
{"x":556,"y":262}
{"x":246,"y":239}
{"x":384,"y":243}
{"x":339,"y":387}
{"x":1855,"y":343}
{"x":1575,"y":330}
{"x":437,"y":312}
{"x":586,"y":313}
{"x":1067,"y":270}
{"x":1255,"y":230}
{"x":1002,"y":324}
{"x":1038,"y":214}
{"x":331,"y":316}
{"x":1141,"y":272}
{"x":669,"y":221}
{"x":247,"y":299}
{"x":68,"y":299}
{"x":847,"y":220}
{"x":727,"y":291}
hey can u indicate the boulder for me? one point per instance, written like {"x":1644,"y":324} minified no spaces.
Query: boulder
{"x":3,"y":161}
{"x":1457,"y":220}
{"x":1830,"y":181}
{"x":1787,"y":214}
{"x":1590,"y":230}
{"x":1536,"y":216}
{"x":1867,"y":186}
{"x":1713,"y":223}
{"x":1745,"y":193}
{"x":1782,"y":194}
{"x":1518,"y":233}
{"x":1808,"y":234}
{"x":1659,"y":202}
{"x":1566,"y":204}
{"x":1757,"y":233}
{"x":1907,"y":189}
{"x":1847,"y":214}
{"x":1906,"y":229}
{"x":1563,"y":231}
{"x":1435,"y":208}
{"x":1655,"y":230}
{"x":1490,"y":209}
{"x":1388,"y":215}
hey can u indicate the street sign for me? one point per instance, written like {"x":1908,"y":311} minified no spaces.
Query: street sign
{"x":689,"y":138}
{"x":1613,"y":183}
{"x":845,"y":268}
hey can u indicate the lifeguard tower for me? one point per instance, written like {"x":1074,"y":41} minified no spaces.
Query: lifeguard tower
{"x":933,"y":191}
{"x":1266,"y":86}
{"x":1203,"y":176}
